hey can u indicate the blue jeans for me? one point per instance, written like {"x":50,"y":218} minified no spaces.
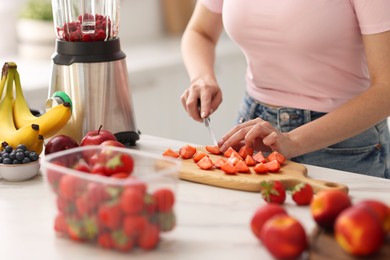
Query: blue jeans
{"x":367,"y":153}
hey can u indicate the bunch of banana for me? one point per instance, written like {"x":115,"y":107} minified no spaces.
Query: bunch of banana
{"x":49,"y":123}
{"x":9,"y":135}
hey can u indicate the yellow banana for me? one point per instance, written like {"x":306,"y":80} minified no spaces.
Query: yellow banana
{"x":2,"y":82}
{"x":27,"y":135}
{"x":38,"y":147}
{"x":49,"y":123}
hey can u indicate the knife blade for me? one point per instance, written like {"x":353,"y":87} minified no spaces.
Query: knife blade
{"x":212,"y":135}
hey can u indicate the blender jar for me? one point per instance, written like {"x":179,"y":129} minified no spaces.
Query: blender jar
{"x":86,"y":21}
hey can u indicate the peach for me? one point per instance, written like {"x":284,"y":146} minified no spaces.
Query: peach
{"x":380,"y":209}
{"x":263,"y":214}
{"x":327,"y":205}
{"x":284,"y":237}
{"x":359,"y":231}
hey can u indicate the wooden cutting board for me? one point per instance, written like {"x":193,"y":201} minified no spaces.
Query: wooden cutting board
{"x":323,"y":246}
{"x":290,"y":174}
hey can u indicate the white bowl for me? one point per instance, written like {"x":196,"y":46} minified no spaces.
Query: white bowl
{"x":19,"y":172}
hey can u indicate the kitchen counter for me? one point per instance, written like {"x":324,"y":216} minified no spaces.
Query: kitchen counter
{"x":213,"y":223}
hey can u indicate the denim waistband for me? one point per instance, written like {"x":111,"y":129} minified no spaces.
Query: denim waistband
{"x":283,"y":118}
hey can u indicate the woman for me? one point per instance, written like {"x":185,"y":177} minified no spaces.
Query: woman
{"x":318,"y":78}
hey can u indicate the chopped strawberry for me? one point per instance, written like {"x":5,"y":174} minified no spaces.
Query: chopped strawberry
{"x":245,"y":150}
{"x":205,"y":163}
{"x":218,"y":163}
{"x":171,"y":153}
{"x":276,"y":156}
{"x":241,"y":167}
{"x":250,"y":161}
{"x":273,"y":192}
{"x":213,"y":149}
{"x":259,"y":157}
{"x":199,"y":155}
{"x":229,"y":152}
{"x":273,"y":166}
{"x":234,"y":158}
{"x":187,"y":151}
{"x":229,"y":168}
{"x":260,"y":168}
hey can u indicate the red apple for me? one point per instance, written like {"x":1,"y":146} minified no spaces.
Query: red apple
{"x":327,"y":205}
{"x":96,"y":137}
{"x":284,"y":237}
{"x":113,"y":143}
{"x":263,"y":214}
{"x":380,"y":209}
{"x":359,"y":231}
{"x":59,"y":143}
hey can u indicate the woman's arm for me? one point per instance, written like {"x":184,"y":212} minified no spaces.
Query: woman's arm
{"x":352,"y":118}
{"x":198,"y":51}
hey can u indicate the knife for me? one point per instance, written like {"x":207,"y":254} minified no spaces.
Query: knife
{"x":212,"y":135}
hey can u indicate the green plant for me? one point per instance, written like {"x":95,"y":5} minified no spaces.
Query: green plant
{"x":37,"y":10}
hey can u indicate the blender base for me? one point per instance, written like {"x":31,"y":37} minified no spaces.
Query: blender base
{"x":128,"y":138}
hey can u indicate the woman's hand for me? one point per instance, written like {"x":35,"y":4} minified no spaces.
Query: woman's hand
{"x":207,"y":94}
{"x":260,"y":135}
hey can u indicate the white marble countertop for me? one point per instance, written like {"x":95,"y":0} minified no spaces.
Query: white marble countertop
{"x":213,"y":223}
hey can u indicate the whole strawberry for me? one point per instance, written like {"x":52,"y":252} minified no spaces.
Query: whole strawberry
{"x":302,"y":194}
{"x":273,"y":192}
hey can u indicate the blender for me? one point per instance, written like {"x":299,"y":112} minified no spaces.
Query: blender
{"x":90,"y":68}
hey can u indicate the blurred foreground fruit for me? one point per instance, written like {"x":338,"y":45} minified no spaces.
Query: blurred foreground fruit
{"x":284,"y":237}
{"x":359,"y":231}
{"x":263,"y":214}
{"x":327,"y":205}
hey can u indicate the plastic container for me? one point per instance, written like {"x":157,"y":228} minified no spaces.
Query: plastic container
{"x":119,"y":213}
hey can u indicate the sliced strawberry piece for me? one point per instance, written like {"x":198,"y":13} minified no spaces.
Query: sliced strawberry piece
{"x":187,"y":151}
{"x":199,"y":155}
{"x":260,"y":168}
{"x":229,"y":168}
{"x":234,"y":158}
{"x":229,"y":152}
{"x":276,"y":156}
{"x":259,"y":157}
{"x":241,"y":167}
{"x":171,"y":153}
{"x":205,"y":163}
{"x":213,"y":149}
{"x":250,"y":161}
{"x":245,"y":150}
{"x":273,"y":166}
{"x":218,"y":163}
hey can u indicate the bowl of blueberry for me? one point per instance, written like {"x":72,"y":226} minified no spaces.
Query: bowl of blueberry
{"x":18,"y":164}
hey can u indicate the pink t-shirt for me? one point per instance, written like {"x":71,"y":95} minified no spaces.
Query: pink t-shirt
{"x":304,"y":54}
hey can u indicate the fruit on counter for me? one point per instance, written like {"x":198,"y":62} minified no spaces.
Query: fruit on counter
{"x":273,"y":192}
{"x":380,"y":209}
{"x":359,"y":231}
{"x":327,"y":205}
{"x":27,"y":135}
{"x":60,"y":143}
{"x":205,"y":163}
{"x":276,"y":156}
{"x":38,"y":146}
{"x":302,"y":194}
{"x":49,"y":123}
{"x":213,"y":149}
{"x":20,"y":155}
{"x":262,"y":215}
{"x":96,"y":137}
{"x":112,"y":143}
{"x":284,"y":237}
